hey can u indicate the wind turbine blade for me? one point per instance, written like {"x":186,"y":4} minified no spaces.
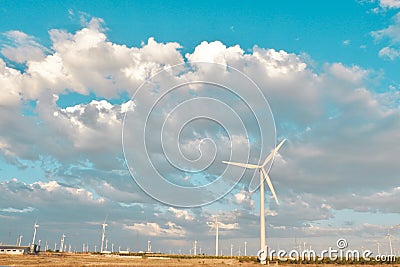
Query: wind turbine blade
{"x":244,"y":165}
{"x":266,"y":177}
{"x":273,"y":153}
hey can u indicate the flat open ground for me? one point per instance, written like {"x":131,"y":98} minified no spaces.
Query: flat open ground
{"x":102,"y":260}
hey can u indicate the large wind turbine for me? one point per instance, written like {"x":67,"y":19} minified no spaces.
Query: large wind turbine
{"x":263,"y":175}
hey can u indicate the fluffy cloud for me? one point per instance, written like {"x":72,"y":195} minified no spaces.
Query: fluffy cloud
{"x":244,"y":199}
{"x":389,"y":3}
{"x":170,"y":229}
{"x":22,"y":48}
{"x":390,"y":34}
{"x":389,"y":53}
{"x":181,"y":214}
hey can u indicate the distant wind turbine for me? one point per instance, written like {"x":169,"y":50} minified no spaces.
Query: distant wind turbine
{"x":148,"y":246}
{"x":103,"y":233}
{"x":389,"y":236}
{"x":62,"y":242}
{"x":263,"y":176}
{"x":20,"y":239}
{"x":35,"y":227}
{"x":216,"y":235}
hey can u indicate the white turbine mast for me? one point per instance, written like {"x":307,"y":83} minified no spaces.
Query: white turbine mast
{"x":216,"y":235}
{"x":263,"y":176}
{"x":389,"y":236}
{"x":216,"y":226}
{"x":35,"y":227}
{"x":62,"y":242}
{"x":20,"y":239}
{"x":103,"y":233}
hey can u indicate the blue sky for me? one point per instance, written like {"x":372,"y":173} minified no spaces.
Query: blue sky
{"x":329,"y":71}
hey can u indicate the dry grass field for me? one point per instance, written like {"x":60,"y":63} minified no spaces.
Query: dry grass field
{"x":102,"y":260}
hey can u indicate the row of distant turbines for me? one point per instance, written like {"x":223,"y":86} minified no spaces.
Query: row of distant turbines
{"x":195,"y":250}
{"x":263,"y":177}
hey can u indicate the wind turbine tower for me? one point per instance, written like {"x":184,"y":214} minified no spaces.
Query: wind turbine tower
{"x":390,"y":242}
{"x":103,"y":233}
{"x":35,"y":227}
{"x":379,"y":248}
{"x":216,"y":235}
{"x":62,"y":242}
{"x":263,"y":176}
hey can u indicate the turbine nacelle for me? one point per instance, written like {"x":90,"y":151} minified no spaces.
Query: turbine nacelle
{"x":261,"y":168}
